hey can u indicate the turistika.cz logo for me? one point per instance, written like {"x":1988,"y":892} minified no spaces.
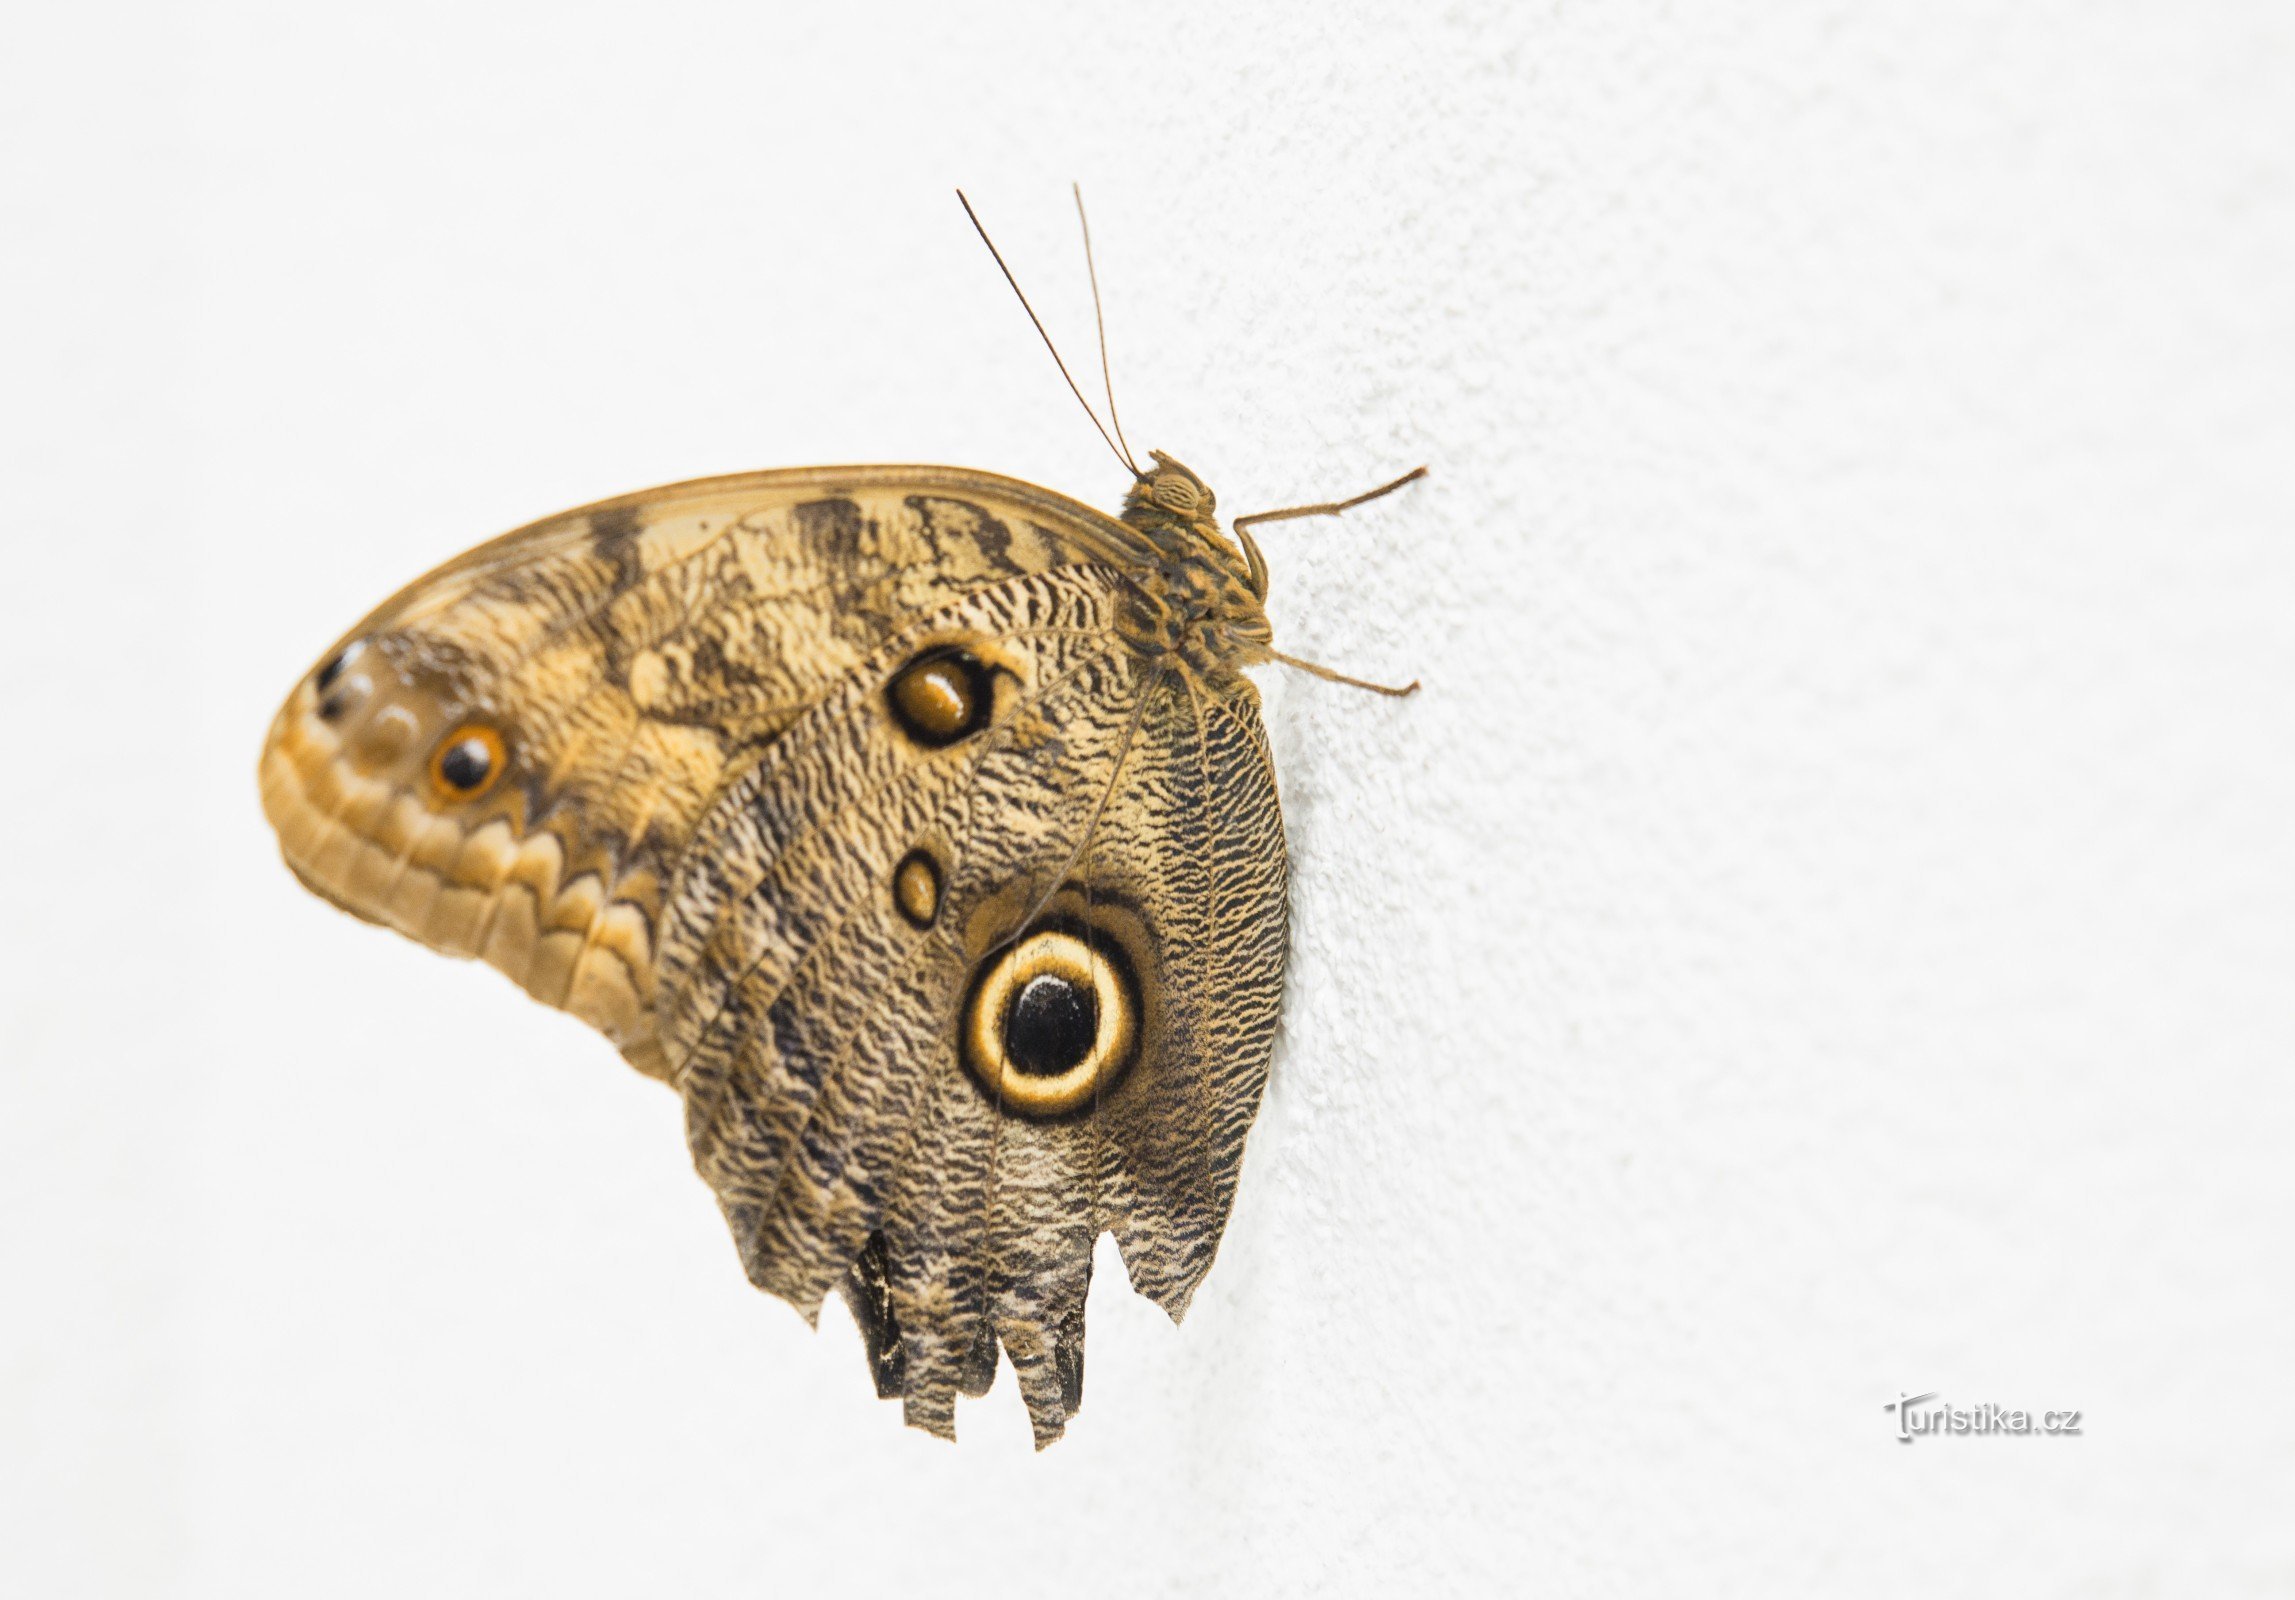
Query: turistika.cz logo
{"x":1918,"y":1416}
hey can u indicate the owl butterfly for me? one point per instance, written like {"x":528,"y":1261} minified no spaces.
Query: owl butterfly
{"x":915,"y":824}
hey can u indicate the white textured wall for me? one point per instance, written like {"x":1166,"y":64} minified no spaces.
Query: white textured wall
{"x":1825,"y":930}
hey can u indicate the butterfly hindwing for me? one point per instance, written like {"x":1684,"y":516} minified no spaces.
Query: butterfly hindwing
{"x":820,"y":1029}
{"x":1184,"y":876}
{"x":801,"y":1002}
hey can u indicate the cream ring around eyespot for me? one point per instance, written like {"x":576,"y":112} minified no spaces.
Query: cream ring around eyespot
{"x":1059,"y":954}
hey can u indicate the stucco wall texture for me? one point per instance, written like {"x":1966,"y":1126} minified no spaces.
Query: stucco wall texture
{"x":1822,"y":934}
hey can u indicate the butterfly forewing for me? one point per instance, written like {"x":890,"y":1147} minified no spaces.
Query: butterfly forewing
{"x":630,"y":657}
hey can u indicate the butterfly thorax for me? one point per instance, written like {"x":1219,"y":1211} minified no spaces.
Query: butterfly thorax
{"x":1201,"y":607}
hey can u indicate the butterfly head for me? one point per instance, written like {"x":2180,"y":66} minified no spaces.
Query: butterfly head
{"x":1171,"y":490}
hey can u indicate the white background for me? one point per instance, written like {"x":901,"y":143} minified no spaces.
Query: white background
{"x":1825,"y":931}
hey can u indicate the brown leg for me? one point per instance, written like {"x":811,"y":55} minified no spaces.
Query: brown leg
{"x":1329,"y":508}
{"x":1329,"y":676}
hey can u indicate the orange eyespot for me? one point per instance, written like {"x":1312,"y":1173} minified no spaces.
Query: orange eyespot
{"x":916,"y":888}
{"x":942,"y":696}
{"x":467,"y":762}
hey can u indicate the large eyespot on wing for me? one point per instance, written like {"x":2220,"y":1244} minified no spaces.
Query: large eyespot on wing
{"x":1051,"y":1021}
{"x":506,"y":760}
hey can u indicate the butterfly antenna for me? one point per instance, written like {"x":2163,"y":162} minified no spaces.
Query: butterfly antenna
{"x":1100,"y":321}
{"x":1041,"y":334}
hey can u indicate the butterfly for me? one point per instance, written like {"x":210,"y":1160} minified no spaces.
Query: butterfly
{"x":916,"y":825}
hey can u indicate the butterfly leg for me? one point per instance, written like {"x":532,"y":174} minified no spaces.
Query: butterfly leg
{"x":1330,"y":508}
{"x":1329,"y":676}
{"x":1322,"y":508}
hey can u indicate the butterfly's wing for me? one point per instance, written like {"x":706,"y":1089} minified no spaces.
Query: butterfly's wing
{"x":862,"y":1088}
{"x":809,"y":789}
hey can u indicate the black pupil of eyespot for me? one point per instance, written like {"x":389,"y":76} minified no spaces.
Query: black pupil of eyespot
{"x":466,"y":763}
{"x":1051,"y":1026}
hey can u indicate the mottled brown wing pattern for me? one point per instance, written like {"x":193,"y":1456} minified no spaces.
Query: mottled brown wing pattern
{"x":1190,"y":845}
{"x":907,"y":820}
{"x":629,"y":657}
{"x":818,"y":1031}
